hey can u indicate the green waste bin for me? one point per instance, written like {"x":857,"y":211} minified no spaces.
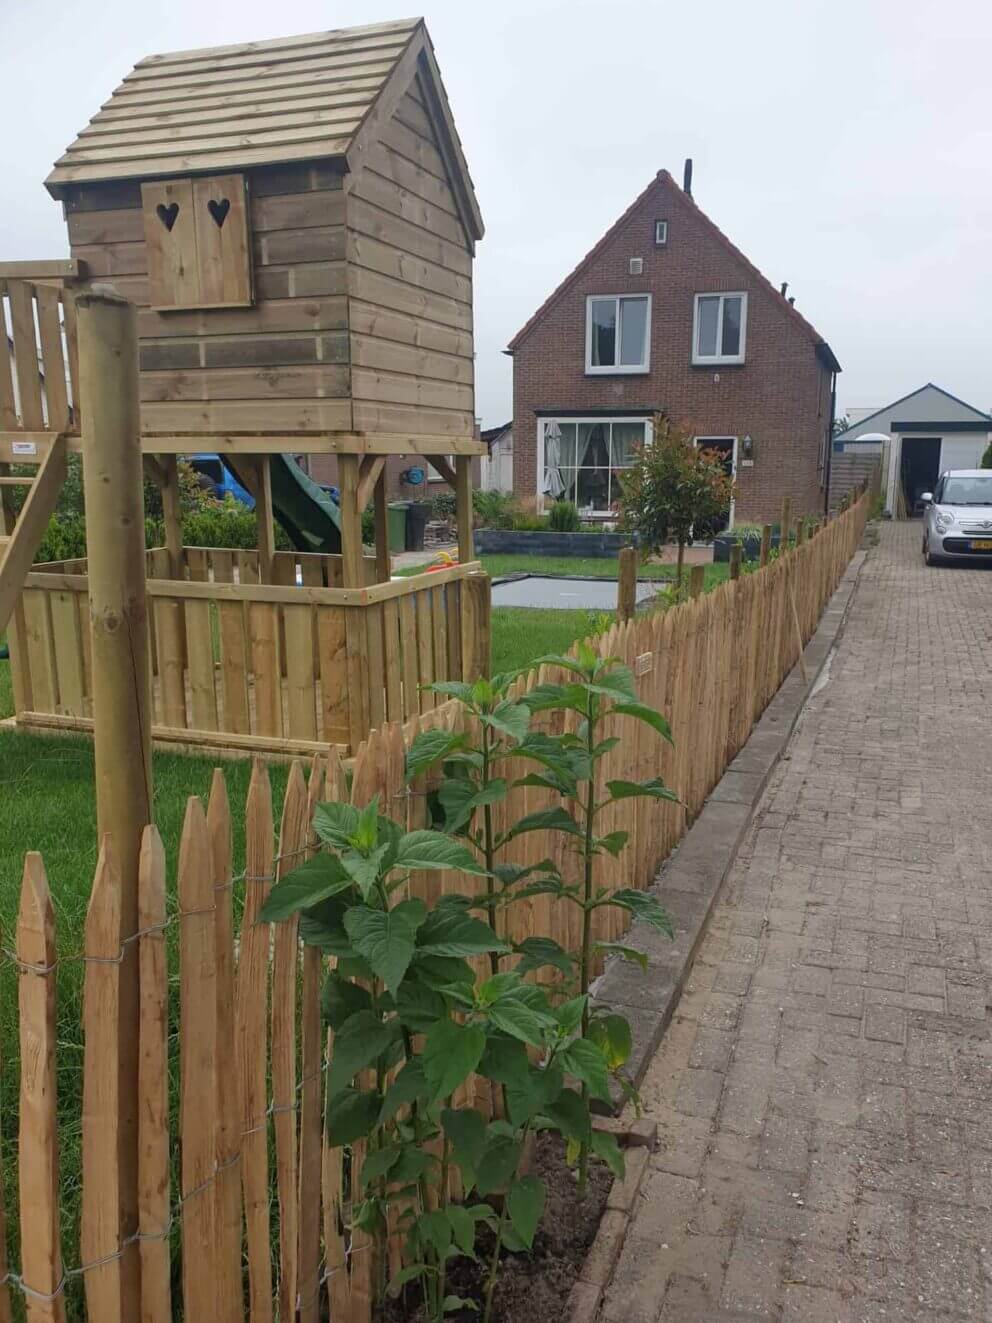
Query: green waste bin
{"x":397,"y":525}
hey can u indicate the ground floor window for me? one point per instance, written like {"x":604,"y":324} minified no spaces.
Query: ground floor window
{"x":584,"y":459}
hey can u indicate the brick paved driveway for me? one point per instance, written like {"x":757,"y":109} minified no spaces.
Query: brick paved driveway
{"x":824,"y":1093}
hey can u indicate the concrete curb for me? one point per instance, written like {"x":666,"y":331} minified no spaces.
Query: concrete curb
{"x":690,"y":880}
{"x":586,"y":1295}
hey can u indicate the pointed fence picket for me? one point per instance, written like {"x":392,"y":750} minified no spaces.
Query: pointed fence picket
{"x":259,"y":1220}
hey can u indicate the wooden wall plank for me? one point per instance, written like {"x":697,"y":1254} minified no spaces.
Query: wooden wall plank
{"x":300,"y":677}
{"x":334,"y":697}
{"x":67,"y":644}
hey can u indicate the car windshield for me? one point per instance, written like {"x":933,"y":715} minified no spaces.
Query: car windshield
{"x":967,"y":491}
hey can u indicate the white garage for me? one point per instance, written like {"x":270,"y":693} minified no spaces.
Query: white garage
{"x":919,"y":437}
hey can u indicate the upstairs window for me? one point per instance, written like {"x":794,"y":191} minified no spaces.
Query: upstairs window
{"x":618,"y":332}
{"x":719,"y":328}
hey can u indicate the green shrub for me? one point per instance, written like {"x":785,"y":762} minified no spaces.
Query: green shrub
{"x":443,"y":505}
{"x":525,"y":523}
{"x":494,"y":509}
{"x":987,"y":457}
{"x":563,"y":517}
{"x":65,"y":539}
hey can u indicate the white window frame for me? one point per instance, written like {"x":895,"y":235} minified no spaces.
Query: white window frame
{"x":542,"y":497}
{"x":597,"y":370}
{"x":715,"y":359}
{"x":701,"y":442}
{"x":661,"y":233}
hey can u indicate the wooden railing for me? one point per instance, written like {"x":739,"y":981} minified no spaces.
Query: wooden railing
{"x":285,"y":667}
{"x":250,"y":1051}
{"x":39,"y":367}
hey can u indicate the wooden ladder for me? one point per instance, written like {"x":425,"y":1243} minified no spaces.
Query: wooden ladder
{"x":21,"y":534}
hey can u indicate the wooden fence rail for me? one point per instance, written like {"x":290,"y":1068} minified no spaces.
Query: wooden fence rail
{"x":257,"y":1206}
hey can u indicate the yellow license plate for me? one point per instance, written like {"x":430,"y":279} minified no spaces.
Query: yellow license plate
{"x":981,"y":546}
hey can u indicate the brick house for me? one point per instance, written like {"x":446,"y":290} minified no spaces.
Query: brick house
{"x":665,"y":315}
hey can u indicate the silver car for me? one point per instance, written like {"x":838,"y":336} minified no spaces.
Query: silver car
{"x":957,"y":522}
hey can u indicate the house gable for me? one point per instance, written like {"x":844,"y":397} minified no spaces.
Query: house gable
{"x":664,"y":194}
{"x":930,"y":404}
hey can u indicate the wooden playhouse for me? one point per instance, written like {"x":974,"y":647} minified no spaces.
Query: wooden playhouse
{"x":295,"y":222}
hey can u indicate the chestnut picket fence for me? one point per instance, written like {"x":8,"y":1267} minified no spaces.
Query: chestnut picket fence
{"x":211,"y":1191}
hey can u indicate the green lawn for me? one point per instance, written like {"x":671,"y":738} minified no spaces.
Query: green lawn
{"x":586,"y":567}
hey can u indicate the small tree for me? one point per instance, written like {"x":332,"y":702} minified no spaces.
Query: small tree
{"x":672,"y":488}
{"x":987,"y":457}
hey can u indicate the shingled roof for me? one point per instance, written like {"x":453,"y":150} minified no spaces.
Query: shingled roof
{"x":260,"y":103}
{"x":687,"y":201}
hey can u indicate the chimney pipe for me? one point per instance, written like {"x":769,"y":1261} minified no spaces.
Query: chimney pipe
{"x":687,"y":176}
{"x":792,"y":301}
{"x":785,"y":286}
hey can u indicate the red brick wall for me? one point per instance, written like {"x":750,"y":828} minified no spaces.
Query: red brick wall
{"x":780,"y":396}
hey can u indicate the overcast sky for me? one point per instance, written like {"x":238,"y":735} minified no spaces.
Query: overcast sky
{"x":844,"y":145}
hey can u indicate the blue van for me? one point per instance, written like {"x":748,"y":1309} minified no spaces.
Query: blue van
{"x":218,"y":479}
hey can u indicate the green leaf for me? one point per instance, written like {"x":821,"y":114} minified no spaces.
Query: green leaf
{"x":432,"y":849}
{"x":377,"y":1164}
{"x":510,"y":719}
{"x":514,"y":1017}
{"x":322,"y":926}
{"x":407,"y":1274}
{"x":653,"y":789}
{"x":450,"y":931}
{"x":611,"y":1034}
{"x":540,"y":952}
{"x":586,"y":1062}
{"x":412,"y":1164}
{"x":443,"y":973}
{"x":312,"y":882}
{"x":340,"y":999}
{"x":451,"y":1053}
{"x":360,"y":1040}
{"x":613,"y":842}
{"x":451,"y":689}
{"x":617,"y":683}
{"x":435,"y":1229}
{"x":335,"y":823}
{"x":646,"y":907}
{"x":552,"y":819}
{"x":625,"y":952}
{"x":408,"y":1087}
{"x":605,"y":1146}
{"x":430,"y":747}
{"x":351,"y":1115}
{"x":452,"y":1302}
{"x":648,"y":715}
{"x":463,"y":1227}
{"x":365,"y":869}
{"x":456,"y":797}
{"x":526,"y":1204}
{"x":569,"y":1014}
{"x":505,"y":1061}
{"x":419,"y":1006}
{"x":386,"y":938}
{"x":570,"y":1115}
{"x":466,"y":1131}
{"x":497,"y":986}
{"x":497,"y":1164}
{"x":366,"y":834}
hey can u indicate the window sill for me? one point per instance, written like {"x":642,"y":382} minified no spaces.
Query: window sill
{"x":618,"y":372}
{"x":710,"y":363}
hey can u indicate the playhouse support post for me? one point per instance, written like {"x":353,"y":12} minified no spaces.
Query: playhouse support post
{"x":172,"y":515}
{"x":463,"y":507}
{"x":112,"y":475}
{"x":351,"y":522}
{"x":265,"y":518}
{"x":383,"y":567}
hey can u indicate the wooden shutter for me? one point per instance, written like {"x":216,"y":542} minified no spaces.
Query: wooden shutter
{"x":196,"y":233}
{"x":223,"y":253}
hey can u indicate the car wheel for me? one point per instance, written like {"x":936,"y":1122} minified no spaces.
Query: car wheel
{"x":930,"y":560}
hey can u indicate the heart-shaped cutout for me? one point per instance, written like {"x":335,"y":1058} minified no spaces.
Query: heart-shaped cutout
{"x":167,"y":214}
{"x":219,"y":210}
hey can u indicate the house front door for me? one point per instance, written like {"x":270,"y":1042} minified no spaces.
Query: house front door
{"x":726,"y":448}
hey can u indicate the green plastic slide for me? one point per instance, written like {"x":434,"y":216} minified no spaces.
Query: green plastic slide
{"x":311,"y":519}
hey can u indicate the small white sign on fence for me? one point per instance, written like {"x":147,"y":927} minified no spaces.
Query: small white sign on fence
{"x":644,"y":663}
{"x":23,"y":448}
